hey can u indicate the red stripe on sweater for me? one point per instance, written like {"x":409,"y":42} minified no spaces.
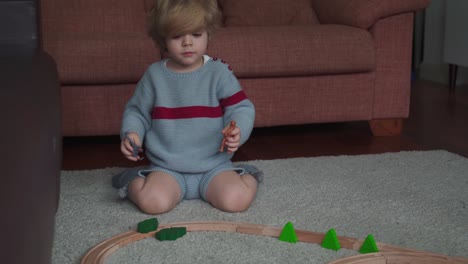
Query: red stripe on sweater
{"x":233,"y":99}
{"x":197,"y":111}
{"x":186,"y":112}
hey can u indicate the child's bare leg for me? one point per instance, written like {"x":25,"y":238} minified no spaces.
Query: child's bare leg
{"x":158,"y":193}
{"x":230,"y":192}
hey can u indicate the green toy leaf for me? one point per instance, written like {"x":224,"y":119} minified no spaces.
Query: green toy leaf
{"x":172,"y":233}
{"x":148,"y":225}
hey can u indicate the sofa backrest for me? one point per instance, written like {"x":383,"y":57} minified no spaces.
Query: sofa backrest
{"x":267,"y":12}
{"x":97,"y":41}
{"x":263,"y":12}
{"x":93,"y":16}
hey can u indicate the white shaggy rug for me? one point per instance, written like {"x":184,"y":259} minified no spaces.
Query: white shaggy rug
{"x":410,"y":199}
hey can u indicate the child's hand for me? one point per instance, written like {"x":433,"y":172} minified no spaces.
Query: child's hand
{"x":131,"y":146}
{"x":232,"y":136}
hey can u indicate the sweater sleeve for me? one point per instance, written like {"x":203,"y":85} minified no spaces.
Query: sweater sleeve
{"x":236,"y":105}
{"x":137,"y":114}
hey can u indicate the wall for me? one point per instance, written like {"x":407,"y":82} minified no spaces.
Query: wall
{"x":434,"y":67}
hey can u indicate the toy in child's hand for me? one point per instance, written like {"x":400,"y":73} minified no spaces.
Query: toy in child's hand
{"x":135,"y":148}
{"x":226,"y":134}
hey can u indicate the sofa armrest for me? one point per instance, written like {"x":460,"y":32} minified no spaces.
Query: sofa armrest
{"x":363,"y":13}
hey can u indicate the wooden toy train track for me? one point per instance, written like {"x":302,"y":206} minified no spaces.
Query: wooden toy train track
{"x":388,"y":254}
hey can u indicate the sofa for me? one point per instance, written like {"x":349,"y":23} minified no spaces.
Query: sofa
{"x":300,"y":62}
{"x":30,"y":138}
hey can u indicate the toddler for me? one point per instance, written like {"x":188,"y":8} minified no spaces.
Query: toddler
{"x":182,"y":109}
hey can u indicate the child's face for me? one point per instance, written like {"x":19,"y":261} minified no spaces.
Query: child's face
{"x":186,"y":51}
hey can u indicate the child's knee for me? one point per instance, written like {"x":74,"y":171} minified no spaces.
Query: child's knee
{"x":234,"y":200}
{"x":152,"y":202}
{"x":154,"y":194}
{"x":155,"y":204}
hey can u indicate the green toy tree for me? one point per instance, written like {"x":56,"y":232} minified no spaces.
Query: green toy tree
{"x":369,"y":245}
{"x":330,"y":241}
{"x":288,"y":234}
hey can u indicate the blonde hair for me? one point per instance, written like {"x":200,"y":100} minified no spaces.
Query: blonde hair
{"x":177,"y":17}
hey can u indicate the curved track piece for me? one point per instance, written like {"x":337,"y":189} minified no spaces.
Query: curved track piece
{"x":398,"y":257}
{"x":388,"y":253}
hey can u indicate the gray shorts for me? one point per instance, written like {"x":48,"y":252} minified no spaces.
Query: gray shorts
{"x":194,"y":185}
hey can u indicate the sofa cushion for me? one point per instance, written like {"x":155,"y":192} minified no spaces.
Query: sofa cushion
{"x":267,"y":12}
{"x":294,"y":50}
{"x":89,"y":58}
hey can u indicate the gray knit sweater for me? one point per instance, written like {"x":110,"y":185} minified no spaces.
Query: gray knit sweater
{"x":180,"y":116}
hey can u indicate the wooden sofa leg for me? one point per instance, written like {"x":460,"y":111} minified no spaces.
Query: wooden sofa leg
{"x":386,"y":127}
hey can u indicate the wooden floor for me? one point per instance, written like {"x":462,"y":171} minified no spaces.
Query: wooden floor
{"x":437,"y":120}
